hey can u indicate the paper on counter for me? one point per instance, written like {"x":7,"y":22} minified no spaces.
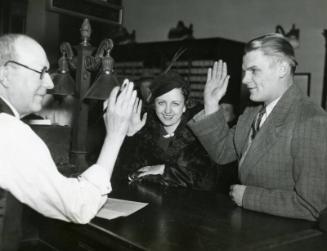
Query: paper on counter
{"x":115,"y":208}
{"x":39,"y":122}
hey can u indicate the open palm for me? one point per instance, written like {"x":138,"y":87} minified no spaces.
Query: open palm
{"x":135,"y":122}
{"x":216,"y":86}
{"x":119,"y":109}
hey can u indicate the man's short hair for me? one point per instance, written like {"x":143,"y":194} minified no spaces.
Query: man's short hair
{"x":7,"y":47}
{"x":275,"y":45}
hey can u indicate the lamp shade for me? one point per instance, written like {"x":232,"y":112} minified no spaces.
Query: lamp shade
{"x":62,"y":80}
{"x":63,"y":84}
{"x":104,"y":84}
{"x":102,"y":87}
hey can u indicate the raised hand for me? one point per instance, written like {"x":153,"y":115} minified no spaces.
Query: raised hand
{"x":119,"y":110}
{"x":135,"y":122}
{"x":216,"y":86}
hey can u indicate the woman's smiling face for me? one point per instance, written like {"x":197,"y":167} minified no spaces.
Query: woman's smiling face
{"x":170,"y":106}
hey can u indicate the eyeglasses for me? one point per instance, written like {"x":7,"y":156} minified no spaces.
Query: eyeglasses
{"x":42,"y":73}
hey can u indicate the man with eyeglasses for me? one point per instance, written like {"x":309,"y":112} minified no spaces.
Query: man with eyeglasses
{"x":42,"y":73}
{"x":27,"y":169}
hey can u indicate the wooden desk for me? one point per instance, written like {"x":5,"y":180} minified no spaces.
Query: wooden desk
{"x":178,"y":219}
{"x":316,"y":243}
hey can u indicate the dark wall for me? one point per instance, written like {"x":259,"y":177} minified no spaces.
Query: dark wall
{"x":13,"y":16}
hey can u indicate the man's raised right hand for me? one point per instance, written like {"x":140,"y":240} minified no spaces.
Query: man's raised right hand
{"x":216,"y":86}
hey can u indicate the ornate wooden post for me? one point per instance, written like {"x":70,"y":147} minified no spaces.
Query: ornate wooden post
{"x":84,"y":63}
{"x":83,"y":81}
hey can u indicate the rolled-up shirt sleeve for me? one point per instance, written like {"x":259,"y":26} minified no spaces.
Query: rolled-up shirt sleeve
{"x":28,"y":171}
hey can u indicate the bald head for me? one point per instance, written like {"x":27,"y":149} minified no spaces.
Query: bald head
{"x":22,"y":60}
{"x":8,"y":46}
{"x":27,"y":49}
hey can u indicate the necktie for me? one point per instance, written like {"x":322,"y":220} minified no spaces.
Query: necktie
{"x":256,"y":123}
{"x":254,"y":130}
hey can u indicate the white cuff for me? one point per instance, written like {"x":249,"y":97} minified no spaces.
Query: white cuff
{"x":99,"y":177}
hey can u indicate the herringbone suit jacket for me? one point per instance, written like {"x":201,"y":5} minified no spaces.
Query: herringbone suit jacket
{"x":285,"y":168}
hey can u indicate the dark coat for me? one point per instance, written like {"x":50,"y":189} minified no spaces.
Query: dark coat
{"x":186,"y":162}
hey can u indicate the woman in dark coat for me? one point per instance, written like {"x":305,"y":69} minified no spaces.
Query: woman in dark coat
{"x":165,"y":151}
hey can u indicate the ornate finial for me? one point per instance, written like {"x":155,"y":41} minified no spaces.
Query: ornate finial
{"x":63,"y":64}
{"x":293,"y":36}
{"x":104,"y":46}
{"x":86,"y":32}
{"x":67,"y":55}
{"x":107,"y":63}
{"x":103,"y":52}
{"x":110,"y":44}
{"x":92,"y":63}
{"x":66,"y":48}
{"x":181,"y":31}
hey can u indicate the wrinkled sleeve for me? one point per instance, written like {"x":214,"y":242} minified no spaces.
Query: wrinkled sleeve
{"x":27,"y":170}
{"x":215,"y":135}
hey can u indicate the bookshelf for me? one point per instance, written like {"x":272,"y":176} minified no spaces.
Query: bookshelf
{"x":134,"y":60}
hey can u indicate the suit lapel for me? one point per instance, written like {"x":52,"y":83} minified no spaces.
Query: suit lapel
{"x":244,"y":128}
{"x":270,"y":130}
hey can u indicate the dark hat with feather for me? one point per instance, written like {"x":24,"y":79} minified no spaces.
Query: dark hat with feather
{"x":169,"y":80}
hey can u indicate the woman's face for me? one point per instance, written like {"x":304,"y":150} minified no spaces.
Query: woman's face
{"x":170,"y":106}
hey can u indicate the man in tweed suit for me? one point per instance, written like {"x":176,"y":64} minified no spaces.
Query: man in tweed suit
{"x":282,"y":162}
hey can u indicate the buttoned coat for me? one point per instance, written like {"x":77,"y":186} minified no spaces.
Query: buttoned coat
{"x":285,"y":168}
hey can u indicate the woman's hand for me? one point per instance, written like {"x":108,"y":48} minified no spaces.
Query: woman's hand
{"x":119,"y":110}
{"x":215,"y":88}
{"x":135,"y":122}
{"x":147,"y":170}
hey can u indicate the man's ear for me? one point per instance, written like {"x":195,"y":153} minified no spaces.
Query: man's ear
{"x":184,"y":108}
{"x":284,"y":69}
{"x":3,"y":77}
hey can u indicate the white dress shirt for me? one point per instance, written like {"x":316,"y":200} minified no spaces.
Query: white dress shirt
{"x":28,"y":171}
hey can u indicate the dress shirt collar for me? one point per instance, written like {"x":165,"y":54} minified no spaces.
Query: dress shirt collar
{"x":16,"y":114}
{"x":271,"y":106}
{"x":269,"y":109}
